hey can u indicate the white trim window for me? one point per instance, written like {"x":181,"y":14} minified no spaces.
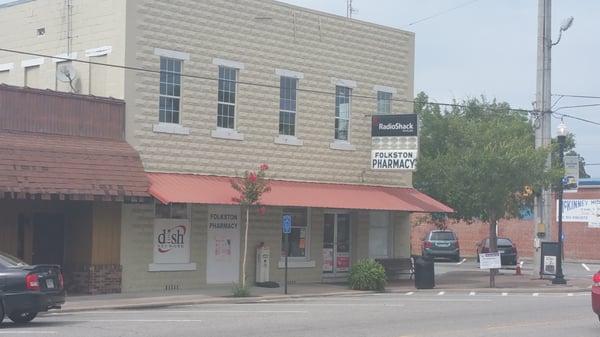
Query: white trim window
{"x":171,"y":211}
{"x":384,"y":103}
{"x":169,"y":104}
{"x":343,"y":100}
{"x":299,"y":237}
{"x":288,"y":89}
{"x":227,"y":93}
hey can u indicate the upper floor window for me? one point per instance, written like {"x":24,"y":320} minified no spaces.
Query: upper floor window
{"x":170,"y":90}
{"x":384,"y":103}
{"x":227,"y":92}
{"x":342,"y":112}
{"x":287,"y":105}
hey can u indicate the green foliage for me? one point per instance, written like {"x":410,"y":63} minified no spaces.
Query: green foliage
{"x":251,"y":186}
{"x":367,"y":274}
{"x":240,"y":290}
{"x":479,"y":158}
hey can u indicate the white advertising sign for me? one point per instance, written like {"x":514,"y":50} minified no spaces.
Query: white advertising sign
{"x":393,"y":159}
{"x":223,"y":244}
{"x":490,"y":261}
{"x":550,"y":264}
{"x":581,"y":210}
{"x":172,"y":245}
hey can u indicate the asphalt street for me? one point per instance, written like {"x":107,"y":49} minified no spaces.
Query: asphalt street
{"x":414,"y":314}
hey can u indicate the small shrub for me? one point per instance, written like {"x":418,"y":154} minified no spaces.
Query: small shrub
{"x":240,"y":290}
{"x":367,"y":274}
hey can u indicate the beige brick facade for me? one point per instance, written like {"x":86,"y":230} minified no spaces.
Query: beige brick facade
{"x":259,"y":37}
{"x":97,"y":26}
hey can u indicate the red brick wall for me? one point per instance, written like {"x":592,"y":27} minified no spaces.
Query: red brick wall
{"x":581,"y":242}
{"x":94,"y":279}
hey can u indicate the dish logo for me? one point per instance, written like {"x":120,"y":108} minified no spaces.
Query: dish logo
{"x":171,"y":238}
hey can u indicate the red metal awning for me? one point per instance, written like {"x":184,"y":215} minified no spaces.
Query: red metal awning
{"x":199,"y":189}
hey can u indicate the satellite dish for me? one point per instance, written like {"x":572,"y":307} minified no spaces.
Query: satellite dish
{"x":66,"y":73}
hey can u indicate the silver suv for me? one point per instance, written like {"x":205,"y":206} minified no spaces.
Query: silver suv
{"x":441,"y":243}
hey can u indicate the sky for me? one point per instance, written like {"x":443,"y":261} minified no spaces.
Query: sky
{"x":488,"y":47}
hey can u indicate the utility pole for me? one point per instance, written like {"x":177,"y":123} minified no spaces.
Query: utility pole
{"x":543,"y":202}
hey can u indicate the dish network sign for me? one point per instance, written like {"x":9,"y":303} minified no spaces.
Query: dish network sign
{"x":171,"y":241}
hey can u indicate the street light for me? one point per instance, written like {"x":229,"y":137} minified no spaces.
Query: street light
{"x":567,"y":23}
{"x":562,"y":136}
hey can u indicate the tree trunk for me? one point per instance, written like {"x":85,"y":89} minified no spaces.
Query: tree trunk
{"x":493,"y":248}
{"x":245,"y":247}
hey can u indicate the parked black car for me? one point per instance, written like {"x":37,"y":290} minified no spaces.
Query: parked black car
{"x":439,"y":243}
{"x":26,"y":290}
{"x":507,"y":249}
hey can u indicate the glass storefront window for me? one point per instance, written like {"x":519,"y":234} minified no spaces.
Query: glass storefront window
{"x":298,"y":238}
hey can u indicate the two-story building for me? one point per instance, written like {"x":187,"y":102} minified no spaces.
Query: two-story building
{"x":215,"y":88}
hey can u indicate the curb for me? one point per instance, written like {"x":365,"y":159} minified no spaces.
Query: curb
{"x":211,"y":300}
{"x":282,"y":298}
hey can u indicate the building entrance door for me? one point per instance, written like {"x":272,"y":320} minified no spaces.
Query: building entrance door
{"x":48,"y":239}
{"x":336,"y":245}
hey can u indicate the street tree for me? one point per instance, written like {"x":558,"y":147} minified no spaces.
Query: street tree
{"x":250,"y":188}
{"x":478,"y":157}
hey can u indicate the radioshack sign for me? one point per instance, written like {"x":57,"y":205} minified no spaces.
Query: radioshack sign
{"x":393,"y":159}
{"x":394,"y":125}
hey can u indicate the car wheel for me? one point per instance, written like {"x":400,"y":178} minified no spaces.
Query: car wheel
{"x":1,"y":312}
{"x":22,"y":317}
{"x":457,"y":258}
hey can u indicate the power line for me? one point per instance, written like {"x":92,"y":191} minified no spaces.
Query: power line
{"x":577,"y":118}
{"x":443,"y":12}
{"x":577,"y":96}
{"x":452,"y":105}
{"x":577,"y":106}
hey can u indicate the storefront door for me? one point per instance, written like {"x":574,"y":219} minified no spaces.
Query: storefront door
{"x":336,"y":245}
{"x":223,"y":245}
{"x":48,"y":239}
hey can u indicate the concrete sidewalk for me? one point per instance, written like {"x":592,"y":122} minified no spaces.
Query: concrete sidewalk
{"x":456,"y":281}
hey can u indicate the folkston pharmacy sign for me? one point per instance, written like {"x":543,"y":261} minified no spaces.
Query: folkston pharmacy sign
{"x":393,"y":159}
{"x":394,"y":142}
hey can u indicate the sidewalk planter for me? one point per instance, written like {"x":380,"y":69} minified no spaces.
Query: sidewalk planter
{"x":367,"y":274}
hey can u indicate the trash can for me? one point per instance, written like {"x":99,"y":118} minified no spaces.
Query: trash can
{"x":424,"y":272}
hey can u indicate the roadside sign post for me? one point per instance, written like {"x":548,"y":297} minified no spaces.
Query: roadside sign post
{"x":287,"y":229}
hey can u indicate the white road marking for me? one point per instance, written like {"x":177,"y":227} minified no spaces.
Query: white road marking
{"x":570,"y":294}
{"x":189,"y":311}
{"x":461,"y":262}
{"x":536,"y":294}
{"x":504,"y":294}
{"x":472,"y":293}
{"x":409,"y":293}
{"x":585,"y":267}
{"x":25,"y":332}
{"x":441,"y":293}
{"x":522,"y":263}
{"x":137,"y":320}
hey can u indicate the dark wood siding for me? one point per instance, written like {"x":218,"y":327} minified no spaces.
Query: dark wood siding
{"x":45,"y":111}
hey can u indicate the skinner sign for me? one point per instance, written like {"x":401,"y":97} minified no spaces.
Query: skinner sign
{"x":393,"y":159}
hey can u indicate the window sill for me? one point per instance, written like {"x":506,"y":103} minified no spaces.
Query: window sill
{"x":172,"y":128}
{"x":230,"y":134}
{"x":297,"y":264}
{"x":342,"y":145}
{"x":287,"y":140}
{"x":172,"y":267}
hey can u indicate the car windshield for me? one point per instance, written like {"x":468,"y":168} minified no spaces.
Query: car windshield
{"x":442,"y":236}
{"x":7,"y":260}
